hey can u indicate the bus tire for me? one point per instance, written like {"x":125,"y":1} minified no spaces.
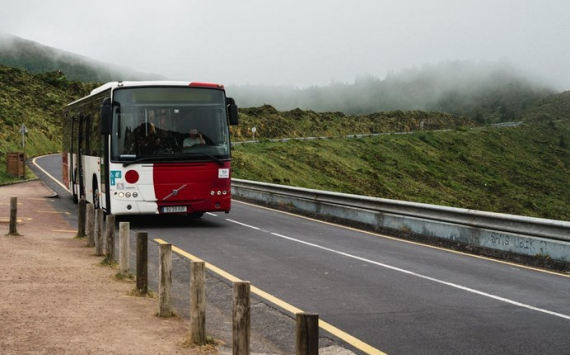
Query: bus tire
{"x":73,"y":188}
{"x":96,"y":202}
{"x":75,"y":198}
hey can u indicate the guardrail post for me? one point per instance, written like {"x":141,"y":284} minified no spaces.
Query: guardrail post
{"x":165,"y":282}
{"x":110,"y":236}
{"x":241,"y":318}
{"x":81,"y":219}
{"x":142,"y":263}
{"x":90,"y":223}
{"x":307,"y":340}
{"x":124,"y":255}
{"x":99,"y":232}
{"x":198,"y":303}
{"x":13,"y":216}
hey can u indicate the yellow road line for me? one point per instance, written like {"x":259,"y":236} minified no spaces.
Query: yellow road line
{"x":18,"y":220}
{"x":357,"y":343}
{"x":53,"y":212}
{"x":411,"y":242}
{"x":65,"y":230}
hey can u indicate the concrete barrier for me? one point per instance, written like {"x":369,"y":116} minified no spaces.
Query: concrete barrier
{"x":517,"y":234}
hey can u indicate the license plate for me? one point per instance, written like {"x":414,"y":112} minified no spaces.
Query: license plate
{"x":174,"y":209}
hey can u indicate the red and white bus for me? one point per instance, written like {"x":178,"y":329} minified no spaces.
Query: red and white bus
{"x":150,"y":148}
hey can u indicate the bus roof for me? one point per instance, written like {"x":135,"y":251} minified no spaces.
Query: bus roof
{"x":120,"y":84}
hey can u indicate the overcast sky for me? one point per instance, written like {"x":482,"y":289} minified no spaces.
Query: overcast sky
{"x":300,"y":42}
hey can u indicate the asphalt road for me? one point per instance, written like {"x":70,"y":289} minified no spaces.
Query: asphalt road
{"x":399,"y":297}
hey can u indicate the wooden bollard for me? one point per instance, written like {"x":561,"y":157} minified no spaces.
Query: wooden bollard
{"x":99,"y":232}
{"x":198,"y":303}
{"x":90,"y":225}
{"x":307,"y":340}
{"x":165,"y":282}
{"x":124,"y":255}
{"x":110,"y":237}
{"x":142,"y":263}
{"x":241,"y":318}
{"x":13,"y":216}
{"x":81,"y":218}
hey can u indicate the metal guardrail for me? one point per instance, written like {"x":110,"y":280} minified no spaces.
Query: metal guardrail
{"x":527,"y":226}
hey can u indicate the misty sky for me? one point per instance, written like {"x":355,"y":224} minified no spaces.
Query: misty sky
{"x":300,"y":42}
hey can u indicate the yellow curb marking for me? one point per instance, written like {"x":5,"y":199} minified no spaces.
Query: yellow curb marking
{"x":357,"y":343}
{"x":53,"y":212}
{"x":18,"y":220}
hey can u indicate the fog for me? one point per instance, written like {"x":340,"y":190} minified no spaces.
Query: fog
{"x":301,"y":43}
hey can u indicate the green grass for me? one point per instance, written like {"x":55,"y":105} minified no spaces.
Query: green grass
{"x":522,"y":170}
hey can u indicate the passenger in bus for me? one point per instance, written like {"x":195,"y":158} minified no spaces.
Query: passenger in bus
{"x":149,"y":142}
{"x":194,"y":139}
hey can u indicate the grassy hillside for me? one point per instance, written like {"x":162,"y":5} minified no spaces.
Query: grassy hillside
{"x":271,"y":124}
{"x":37,"y":58}
{"x":37,"y":102}
{"x":523,"y":170}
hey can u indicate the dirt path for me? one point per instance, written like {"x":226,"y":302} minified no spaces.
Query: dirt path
{"x":55,"y":298}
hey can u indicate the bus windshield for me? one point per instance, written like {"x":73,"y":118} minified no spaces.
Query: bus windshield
{"x":169,"y":124}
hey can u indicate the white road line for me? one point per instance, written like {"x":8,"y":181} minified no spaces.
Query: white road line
{"x":450,"y":284}
{"x":48,"y":174}
{"x":242,"y":224}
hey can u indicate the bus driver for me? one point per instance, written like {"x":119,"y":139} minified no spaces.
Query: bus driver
{"x":194,"y":139}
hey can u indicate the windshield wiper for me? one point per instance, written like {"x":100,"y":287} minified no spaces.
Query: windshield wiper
{"x":170,"y":158}
{"x":217,"y":160}
{"x":151,"y":158}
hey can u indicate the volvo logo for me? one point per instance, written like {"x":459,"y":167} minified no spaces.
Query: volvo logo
{"x":174,"y":192}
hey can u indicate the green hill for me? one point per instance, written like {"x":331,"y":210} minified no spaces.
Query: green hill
{"x":37,"y":58}
{"x":521,"y":170}
{"x":35,"y":101}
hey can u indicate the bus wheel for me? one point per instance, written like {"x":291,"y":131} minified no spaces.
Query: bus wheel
{"x":73,"y":187}
{"x":75,"y":198}
{"x":96,"y":202}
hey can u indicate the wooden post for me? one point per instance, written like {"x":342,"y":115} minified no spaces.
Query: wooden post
{"x":142,"y":262}
{"x":307,"y":334}
{"x":90,"y":222}
{"x":165,"y":282}
{"x":241,"y":318}
{"x":81,"y":219}
{"x":124,"y":255}
{"x":99,"y":232}
{"x":13,"y":216}
{"x":198,"y":303}
{"x":110,"y":236}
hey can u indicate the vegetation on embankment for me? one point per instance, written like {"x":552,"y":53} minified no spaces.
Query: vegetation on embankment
{"x":270,"y":123}
{"x":35,"y":101}
{"x":522,"y":170}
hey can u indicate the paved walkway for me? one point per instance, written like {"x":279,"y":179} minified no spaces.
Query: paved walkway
{"x":55,"y":298}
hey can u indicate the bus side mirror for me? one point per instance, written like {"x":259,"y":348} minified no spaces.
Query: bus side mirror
{"x":233,"y":111}
{"x":106,"y":116}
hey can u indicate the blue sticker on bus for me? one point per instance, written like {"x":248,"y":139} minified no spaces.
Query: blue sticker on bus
{"x":115,"y":174}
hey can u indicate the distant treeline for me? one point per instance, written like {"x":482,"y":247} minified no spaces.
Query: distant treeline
{"x":37,"y":58}
{"x":486,"y":92}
